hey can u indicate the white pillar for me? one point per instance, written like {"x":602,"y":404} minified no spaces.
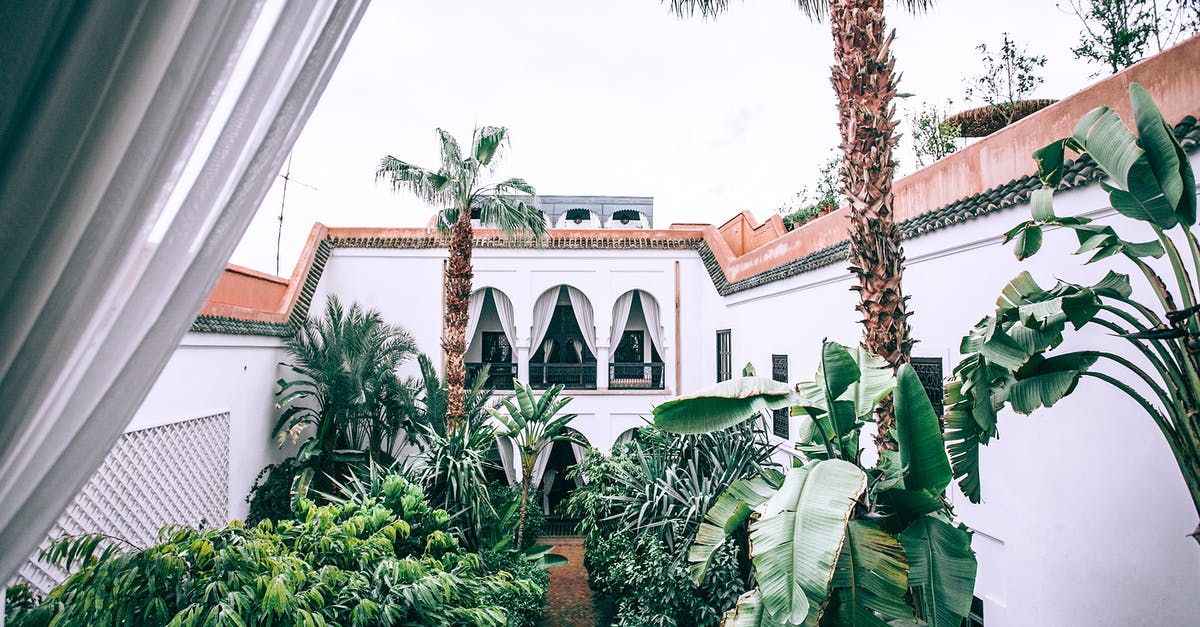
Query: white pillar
{"x":522,"y":357}
{"x":602,"y":367}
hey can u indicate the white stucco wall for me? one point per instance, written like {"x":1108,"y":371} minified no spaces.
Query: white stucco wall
{"x":214,"y":373}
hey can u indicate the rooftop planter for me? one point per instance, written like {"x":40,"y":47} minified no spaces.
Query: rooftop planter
{"x":984,"y":121}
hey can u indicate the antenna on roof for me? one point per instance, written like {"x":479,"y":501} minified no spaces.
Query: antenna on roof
{"x":287,"y":178}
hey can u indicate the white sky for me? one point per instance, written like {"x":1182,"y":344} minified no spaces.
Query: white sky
{"x":615,"y":97}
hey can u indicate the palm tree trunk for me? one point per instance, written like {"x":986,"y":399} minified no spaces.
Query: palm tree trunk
{"x":865,"y":82}
{"x":458,"y":294}
{"x":525,"y":481}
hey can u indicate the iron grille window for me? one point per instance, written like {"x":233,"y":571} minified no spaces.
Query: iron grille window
{"x":975,"y":618}
{"x":779,"y":372}
{"x":929,"y":370}
{"x":724,"y":356}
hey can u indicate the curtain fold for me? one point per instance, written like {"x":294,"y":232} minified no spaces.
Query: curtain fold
{"x":653,"y":322}
{"x":508,"y":459}
{"x":620,"y":318}
{"x":550,"y":478}
{"x":504,"y":310}
{"x":543,"y":311}
{"x":583,"y":315}
{"x":539,"y":466}
{"x":474,"y":310}
{"x":135,"y":160}
{"x":579,"y":451}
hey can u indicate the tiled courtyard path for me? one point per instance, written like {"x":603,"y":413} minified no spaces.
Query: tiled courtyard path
{"x":570,"y":599}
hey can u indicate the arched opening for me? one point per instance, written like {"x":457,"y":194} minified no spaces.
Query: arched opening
{"x":564,"y":340}
{"x":578,"y":218}
{"x":635,"y":361}
{"x":554,"y":486}
{"x":627,"y":219}
{"x":491,"y":336}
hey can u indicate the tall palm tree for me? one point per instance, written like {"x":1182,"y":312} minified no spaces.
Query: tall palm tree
{"x":533,"y":423}
{"x":864,"y":80}
{"x":457,"y":188}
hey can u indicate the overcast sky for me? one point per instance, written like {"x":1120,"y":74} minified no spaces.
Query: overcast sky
{"x":616,"y":97}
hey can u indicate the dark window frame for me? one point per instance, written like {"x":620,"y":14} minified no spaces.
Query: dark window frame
{"x":724,"y":355}
{"x":780,"y":418}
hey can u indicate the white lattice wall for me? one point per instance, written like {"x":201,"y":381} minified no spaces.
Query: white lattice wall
{"x":173,"y":474}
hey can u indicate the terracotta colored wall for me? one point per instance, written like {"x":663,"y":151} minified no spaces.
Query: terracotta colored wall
{"x":243,"y":287}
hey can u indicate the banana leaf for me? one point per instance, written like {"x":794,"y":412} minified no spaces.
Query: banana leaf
{"x":723,"y":405}
{"x":941,"y":569}
{"x":871,"y":580}
{"x":795,"y":542}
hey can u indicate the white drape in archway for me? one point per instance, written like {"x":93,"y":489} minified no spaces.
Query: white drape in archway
{"x":620,"y":318}
{"x":583,"y":315}
{"x":579,"y":451}
{"x":504,"y":310}
{"x":543,"y":311}
{"x":474,"y":310}
{"x":653,"y":323}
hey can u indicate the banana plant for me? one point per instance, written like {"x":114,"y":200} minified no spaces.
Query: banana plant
{"x":832,"y":542}
{"x":533,"y":424}
{"x":1009,"y":356}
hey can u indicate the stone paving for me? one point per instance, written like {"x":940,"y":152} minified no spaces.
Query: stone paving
{"x":570,"y":598}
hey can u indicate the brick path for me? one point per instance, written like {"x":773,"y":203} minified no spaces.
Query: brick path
{"x":570,"y":598}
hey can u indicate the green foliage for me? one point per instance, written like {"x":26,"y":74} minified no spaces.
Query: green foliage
{"x":639,"y":510}
{"x":347,"y":392}
{"x":1007,"y":77}
{"x":532,"y":424}
{"x":522,"y":607}
{"x":1118,"y":33}
{"x":19,"y":600}
{"x":1008,"y":357}
{"x":933,"y":136}
{"x":828,"y":539}
{"x":452,"y":469}
{"x":376,"y":560}
{"x":804,"y":206}
{"x":270,"y":497}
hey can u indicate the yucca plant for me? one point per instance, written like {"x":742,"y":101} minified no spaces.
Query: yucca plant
{"x":1008,"y":358}
{"x":533,"y":423}
{"x":832,"y":542}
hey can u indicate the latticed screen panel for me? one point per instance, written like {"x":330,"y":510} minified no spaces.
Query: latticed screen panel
{"x":176,"y":474}
{"x":929,"y":370}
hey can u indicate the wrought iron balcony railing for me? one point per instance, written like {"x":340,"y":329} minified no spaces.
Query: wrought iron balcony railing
{"x":500,"y":375}
{"x":635,"y":376}
{"x":570,"y":376}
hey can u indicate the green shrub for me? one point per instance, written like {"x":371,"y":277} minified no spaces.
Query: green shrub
{"x":385,"y":560}
{"x":270,"y":497}
{"x":523,"y":607}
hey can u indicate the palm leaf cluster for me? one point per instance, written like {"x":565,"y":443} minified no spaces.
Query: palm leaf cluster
{"x":456,"y":188}
{"x":347,"y":399}
{"x":833,"y":542}
{"x":1010,"y":357}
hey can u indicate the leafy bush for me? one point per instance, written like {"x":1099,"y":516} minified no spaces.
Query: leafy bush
{"x":385,"y":560}
{"x":641,"y":507}
{"x":497,"y":527}
{"x":270,"y":497}
{"x":522,"y":607}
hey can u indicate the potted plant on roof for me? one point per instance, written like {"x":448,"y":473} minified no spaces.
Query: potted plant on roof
{"x":1004,"y":87}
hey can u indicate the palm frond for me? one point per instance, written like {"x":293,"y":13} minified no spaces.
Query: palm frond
{"x":431,"y":187}
{"x":487,"y":142}
{"x":510,"y":214}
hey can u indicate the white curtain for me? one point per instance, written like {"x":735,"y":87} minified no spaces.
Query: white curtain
{"x":583,"y":315}
{"x":139,"y":139}
{"x":508,"y":459}
{"x":626,"y":436}
{"x":550,"y":477}
{"x":620,"y":318}
{"x":579,"y":451}
{"x":504,"y":310}
{"x":543,"y":311}
{"x":650,"y":313}
{"x":474,"y":310}
{"x":539,"y":466}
